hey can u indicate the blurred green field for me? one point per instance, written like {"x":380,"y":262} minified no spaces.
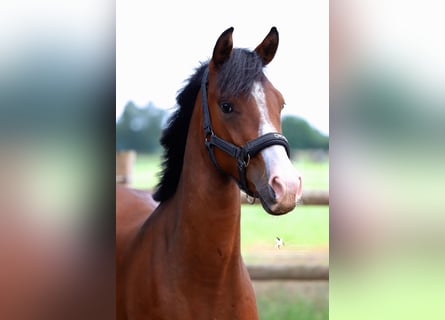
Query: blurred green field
{"x":315,"y":174}
{"x":278,"y":300}
{"x":288,"y":309}
{"x":146,"y":170}
{"x":304,"y":227}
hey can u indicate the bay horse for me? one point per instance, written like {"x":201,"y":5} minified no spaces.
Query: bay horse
{"x":183,"y":260}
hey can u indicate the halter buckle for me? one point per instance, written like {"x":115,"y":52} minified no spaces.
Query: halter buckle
{"x":209,"y":134}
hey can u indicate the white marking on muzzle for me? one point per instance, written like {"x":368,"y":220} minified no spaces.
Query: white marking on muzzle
{"x":275,"y":157}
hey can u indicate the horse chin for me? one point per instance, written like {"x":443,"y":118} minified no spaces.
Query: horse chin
{"x":268,"y":201}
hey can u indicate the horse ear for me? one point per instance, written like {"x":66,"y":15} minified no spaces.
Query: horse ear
{"x":267,"y":49}
{"x":223,"y":48}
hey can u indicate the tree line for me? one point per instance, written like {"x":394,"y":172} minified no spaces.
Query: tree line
{"x":140,"y":128}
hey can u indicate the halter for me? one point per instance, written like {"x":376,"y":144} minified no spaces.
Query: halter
{"x":241,"y":154}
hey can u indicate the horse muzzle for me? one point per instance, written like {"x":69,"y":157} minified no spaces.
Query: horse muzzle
{"x":283,"y":188}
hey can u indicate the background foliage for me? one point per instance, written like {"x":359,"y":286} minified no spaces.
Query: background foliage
{"x":139,"y":129}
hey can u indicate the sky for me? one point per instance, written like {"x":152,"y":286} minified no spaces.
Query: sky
{"x":160,"y":44}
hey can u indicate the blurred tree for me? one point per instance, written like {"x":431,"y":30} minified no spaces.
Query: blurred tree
{"x":301,"y":135}
{"x":140,"y":129}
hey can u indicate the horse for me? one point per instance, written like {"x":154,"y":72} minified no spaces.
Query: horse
{"x":183,"y":260}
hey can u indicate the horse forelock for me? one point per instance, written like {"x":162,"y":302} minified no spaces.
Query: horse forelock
{"x":238,"y":74}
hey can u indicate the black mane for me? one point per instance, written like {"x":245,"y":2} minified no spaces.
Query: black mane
{"x":174,"y":137}
{"x":235,"y":77}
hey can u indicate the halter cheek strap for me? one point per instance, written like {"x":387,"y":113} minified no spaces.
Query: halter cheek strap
{"x":242,"y":154}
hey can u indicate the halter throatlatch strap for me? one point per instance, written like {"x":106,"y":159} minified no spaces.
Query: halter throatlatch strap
{"x":242,"y":154}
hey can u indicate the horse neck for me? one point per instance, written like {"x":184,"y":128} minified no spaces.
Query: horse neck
{"x":207,"y":204}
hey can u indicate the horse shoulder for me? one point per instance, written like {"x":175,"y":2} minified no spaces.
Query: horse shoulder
{"x":133,"y":207}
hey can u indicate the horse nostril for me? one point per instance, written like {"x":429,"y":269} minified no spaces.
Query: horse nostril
{"x":278,"y":187}
{"x":286,"y":189}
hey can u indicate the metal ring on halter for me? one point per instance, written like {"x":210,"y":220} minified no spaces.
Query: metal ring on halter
{"x":208,"y":135}
{"x":248,"y":160}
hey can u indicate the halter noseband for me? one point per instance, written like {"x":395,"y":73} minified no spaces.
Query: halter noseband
{"x":241,"y":154}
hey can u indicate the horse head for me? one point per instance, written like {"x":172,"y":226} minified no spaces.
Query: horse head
{"x":242,"y":123}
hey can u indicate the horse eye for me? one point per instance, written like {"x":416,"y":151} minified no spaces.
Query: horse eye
{"x":226,"y":107}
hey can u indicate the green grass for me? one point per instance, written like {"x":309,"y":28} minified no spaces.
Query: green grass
{"x":306,"y":226}
{"x":282,"y":306}
{"x":315,"y":174}
{"x":146,"y":170}
{"x":145,"y":175}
